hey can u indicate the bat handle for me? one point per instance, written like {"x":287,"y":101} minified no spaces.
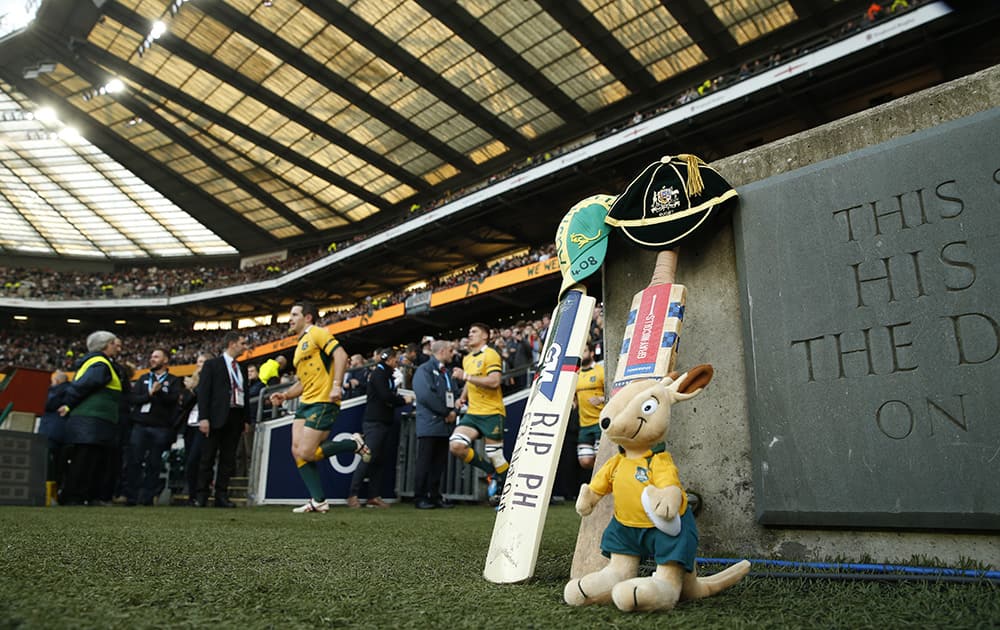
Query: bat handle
{"x":665,"y":268}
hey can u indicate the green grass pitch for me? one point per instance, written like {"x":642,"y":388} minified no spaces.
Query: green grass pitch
{"x":174,"y":567}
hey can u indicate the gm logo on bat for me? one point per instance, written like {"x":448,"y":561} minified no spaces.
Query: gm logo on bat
{"x":547,"y":376}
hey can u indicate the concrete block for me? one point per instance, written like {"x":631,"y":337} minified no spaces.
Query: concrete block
{"x":871,"y":303}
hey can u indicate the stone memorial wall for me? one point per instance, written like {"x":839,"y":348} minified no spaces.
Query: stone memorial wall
{"x":871,"y":310}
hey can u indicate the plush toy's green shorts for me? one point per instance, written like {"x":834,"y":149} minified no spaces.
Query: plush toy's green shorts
{"x":490,"y":427}
{"x":649,"y":542}
{"x":319,"y":416}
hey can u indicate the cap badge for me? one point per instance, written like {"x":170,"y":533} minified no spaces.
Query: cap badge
{"x":666,"y":200}
{"x":580,"y":240}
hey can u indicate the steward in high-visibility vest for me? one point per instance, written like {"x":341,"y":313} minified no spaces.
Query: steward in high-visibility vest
{"x":99,"y":382}
{"x":271,"y":369}
{"x":91,"y":406}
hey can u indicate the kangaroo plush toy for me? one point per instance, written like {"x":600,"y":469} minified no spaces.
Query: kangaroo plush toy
{"x":651,"y":516}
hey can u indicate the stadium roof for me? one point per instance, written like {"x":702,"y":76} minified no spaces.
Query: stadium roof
{"x":165,"y":128}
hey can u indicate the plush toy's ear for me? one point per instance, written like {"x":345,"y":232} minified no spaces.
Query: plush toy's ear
{"x":690,"y":384}
{"x":670,"y":378}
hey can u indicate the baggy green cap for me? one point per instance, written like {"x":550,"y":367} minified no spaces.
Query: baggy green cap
{"x":582,"y":239}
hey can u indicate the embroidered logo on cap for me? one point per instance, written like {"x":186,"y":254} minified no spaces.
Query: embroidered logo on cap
{"x":665,"y":200}
{"x":581,"y":240}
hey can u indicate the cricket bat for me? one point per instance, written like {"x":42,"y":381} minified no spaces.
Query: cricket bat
{"x":653,"y":327}
{"x":524,"y":501}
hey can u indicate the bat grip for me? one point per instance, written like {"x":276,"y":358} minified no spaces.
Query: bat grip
{"x":665,"y":268}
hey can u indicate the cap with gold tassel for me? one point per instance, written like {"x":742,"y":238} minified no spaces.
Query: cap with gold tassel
{"x":670,"y":199}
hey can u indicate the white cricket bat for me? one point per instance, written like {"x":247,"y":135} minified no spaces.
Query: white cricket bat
{"x":653,"y":326}
{"x":524,"y":501}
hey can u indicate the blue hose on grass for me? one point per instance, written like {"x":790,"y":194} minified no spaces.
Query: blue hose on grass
{"x":893,"y":572}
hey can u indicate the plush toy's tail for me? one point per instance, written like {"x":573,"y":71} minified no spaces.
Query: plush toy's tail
{"x":698,"y":587}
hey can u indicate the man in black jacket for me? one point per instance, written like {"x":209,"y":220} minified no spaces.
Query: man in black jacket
{"x":520,"y":359}
{"x":379,"y":421}
{"x":224,"y":411}
{"x":154,"y":397}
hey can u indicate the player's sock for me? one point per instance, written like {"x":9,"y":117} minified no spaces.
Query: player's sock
{"x":332,"y":447}
{"x":475,"y":459}
{"x":310,"y":475}
{"x":502,"y":477}
{"x":495,"y":454}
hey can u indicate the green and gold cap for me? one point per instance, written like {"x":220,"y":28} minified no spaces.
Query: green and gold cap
{"x":582,"y":239}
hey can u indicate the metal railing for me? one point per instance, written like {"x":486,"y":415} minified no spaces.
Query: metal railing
{"x":461,"y":481}
{"x":263,"y":398}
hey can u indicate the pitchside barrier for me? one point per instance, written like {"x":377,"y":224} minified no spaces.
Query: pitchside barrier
{"x":274,"y":479}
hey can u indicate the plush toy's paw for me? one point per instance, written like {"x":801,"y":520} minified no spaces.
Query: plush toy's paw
{"x":668,"y":525}
{"x":665,"y":502}
{"x":573,"y":594}
{"x":664,"y":509}
{"x":645,"y":594}
{"x":586,"y":500}
{"x":594,"y":588}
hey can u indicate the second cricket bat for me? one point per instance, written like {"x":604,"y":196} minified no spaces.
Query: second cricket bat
{"x":652,"y":329}
{"x":524,"y":501}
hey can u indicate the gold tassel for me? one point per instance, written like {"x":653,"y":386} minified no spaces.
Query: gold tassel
{"x":695,"y":185}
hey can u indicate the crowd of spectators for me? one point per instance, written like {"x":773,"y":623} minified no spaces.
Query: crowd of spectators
{"x":52,"y":285}
{"x":476,"y":274}
{"x":50,"y":351}
{"x":519,"y":345}
{"x":135,"y":282}
{"x":61,"y":351}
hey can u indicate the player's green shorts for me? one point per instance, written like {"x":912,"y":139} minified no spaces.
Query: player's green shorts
{"x":589,"y":435}
{"x":319,"y":416}
{"x":490,"y":427}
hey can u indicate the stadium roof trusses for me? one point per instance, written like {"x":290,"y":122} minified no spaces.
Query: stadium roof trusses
{"x":223,"y":127}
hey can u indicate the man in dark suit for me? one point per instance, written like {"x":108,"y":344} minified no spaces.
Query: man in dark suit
{"x":224,"y":411}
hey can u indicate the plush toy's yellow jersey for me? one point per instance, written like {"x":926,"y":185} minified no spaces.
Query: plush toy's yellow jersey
{"x":626,"y":477}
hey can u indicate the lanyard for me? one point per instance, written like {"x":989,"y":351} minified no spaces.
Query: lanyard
{"x":155,"y":379}
{"x":392,"y":381}
{"x":236,"y":399}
